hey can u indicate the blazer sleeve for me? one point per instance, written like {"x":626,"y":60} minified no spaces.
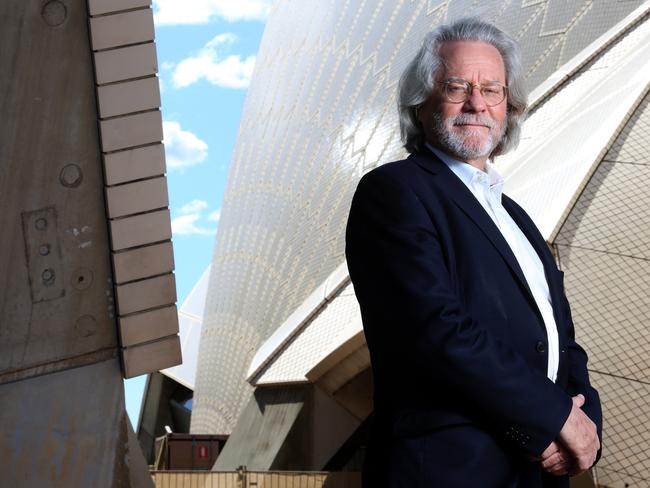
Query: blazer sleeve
{"x":413,"y":316}
{"x":578,"y":375}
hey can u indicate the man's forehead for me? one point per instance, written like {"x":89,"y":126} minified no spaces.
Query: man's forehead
{"x":472,"y":58}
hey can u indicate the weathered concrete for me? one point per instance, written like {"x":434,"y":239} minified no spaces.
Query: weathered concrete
{"x":57,"y":303}
{"x":69,"y":429}
{"x":293,"y":427}
{"x":262,"y":428}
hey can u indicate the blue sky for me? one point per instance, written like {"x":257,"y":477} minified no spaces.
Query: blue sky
{"x":206,"y":55}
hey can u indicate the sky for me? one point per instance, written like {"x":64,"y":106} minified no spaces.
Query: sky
{"x":206,"y":56}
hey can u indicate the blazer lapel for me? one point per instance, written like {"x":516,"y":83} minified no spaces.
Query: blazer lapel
{"x":550,"y":269}
{"x":456,"y":190}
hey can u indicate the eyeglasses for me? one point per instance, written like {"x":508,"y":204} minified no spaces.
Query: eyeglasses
{"x":457,"y":90}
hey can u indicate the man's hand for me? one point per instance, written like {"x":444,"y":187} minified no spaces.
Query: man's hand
{"x":556,"y":460}
{"x":579,"y":437}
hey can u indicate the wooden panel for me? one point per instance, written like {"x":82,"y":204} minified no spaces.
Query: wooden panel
{"x":138,"y":197}
{"x":146,"y":294}
{"x":257,"y":479}
{"x":97,"y":7}
{"x":117,"y":30}
{"x":128,"y":97}
{"x":148,"y":326}
{"x":131,"y":130}
{"x":134,"y":164}
{"x":140,"y":229}
{"x":125,"y":63}
{"x":152,"y":356}
{"x":143,"y":262}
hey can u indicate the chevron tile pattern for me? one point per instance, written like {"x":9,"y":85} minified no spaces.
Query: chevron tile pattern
{"x":319,"y":113}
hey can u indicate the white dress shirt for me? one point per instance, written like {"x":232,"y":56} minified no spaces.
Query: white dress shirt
{"x":487,"y":188}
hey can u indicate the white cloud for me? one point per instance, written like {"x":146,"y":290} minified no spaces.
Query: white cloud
{"x":182,"y":148}
{"x":229,"y":72}
{"x":188,"y":217}
{"x":194,"y":206}
{"x":174,"y":12}
{"x":187,"y":224}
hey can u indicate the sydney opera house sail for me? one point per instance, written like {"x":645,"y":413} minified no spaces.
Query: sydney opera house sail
{"x":321,"y":112}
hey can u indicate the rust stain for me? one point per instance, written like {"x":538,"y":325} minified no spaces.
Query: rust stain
{"x":121,"y":475}
{"x":54,"y":366}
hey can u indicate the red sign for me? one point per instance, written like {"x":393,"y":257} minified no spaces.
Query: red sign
{"x":203,"y":452}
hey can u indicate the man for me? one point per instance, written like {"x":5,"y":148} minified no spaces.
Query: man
{"x":478,"y":379}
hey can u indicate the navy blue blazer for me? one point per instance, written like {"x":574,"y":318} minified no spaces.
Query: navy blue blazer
{"x":457,"y":343}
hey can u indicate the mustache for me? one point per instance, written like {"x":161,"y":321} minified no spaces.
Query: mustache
{"x":473,"y":119}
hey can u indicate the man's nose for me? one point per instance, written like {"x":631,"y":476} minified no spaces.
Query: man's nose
{"x":475,"y":102}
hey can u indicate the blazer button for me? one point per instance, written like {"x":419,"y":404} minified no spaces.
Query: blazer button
{"x":540,"y":347}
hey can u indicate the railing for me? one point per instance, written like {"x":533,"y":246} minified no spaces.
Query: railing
{"x":255,"y":479}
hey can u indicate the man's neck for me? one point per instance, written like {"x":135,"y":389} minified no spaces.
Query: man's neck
{"x":479,"y":163}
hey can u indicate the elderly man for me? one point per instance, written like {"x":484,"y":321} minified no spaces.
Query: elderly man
{"x":478,"y":379}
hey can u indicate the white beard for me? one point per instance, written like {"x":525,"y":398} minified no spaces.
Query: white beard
{"x":463,"y":147}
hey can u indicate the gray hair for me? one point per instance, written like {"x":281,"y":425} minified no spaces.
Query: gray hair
{"x":416,"y":82}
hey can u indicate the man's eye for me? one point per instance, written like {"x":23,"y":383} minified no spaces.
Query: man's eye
{"x":455,"y":88}
{"x":492,"y":90}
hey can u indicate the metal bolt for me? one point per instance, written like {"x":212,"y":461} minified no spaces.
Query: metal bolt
{"x":54,"y":13}
{"x":48,"y":276}
{"x":70,"y":176}
{"x":44,"y":249}
{"x":40,"y":224}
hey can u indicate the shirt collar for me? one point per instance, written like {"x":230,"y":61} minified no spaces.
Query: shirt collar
{"x":469,"y":174}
